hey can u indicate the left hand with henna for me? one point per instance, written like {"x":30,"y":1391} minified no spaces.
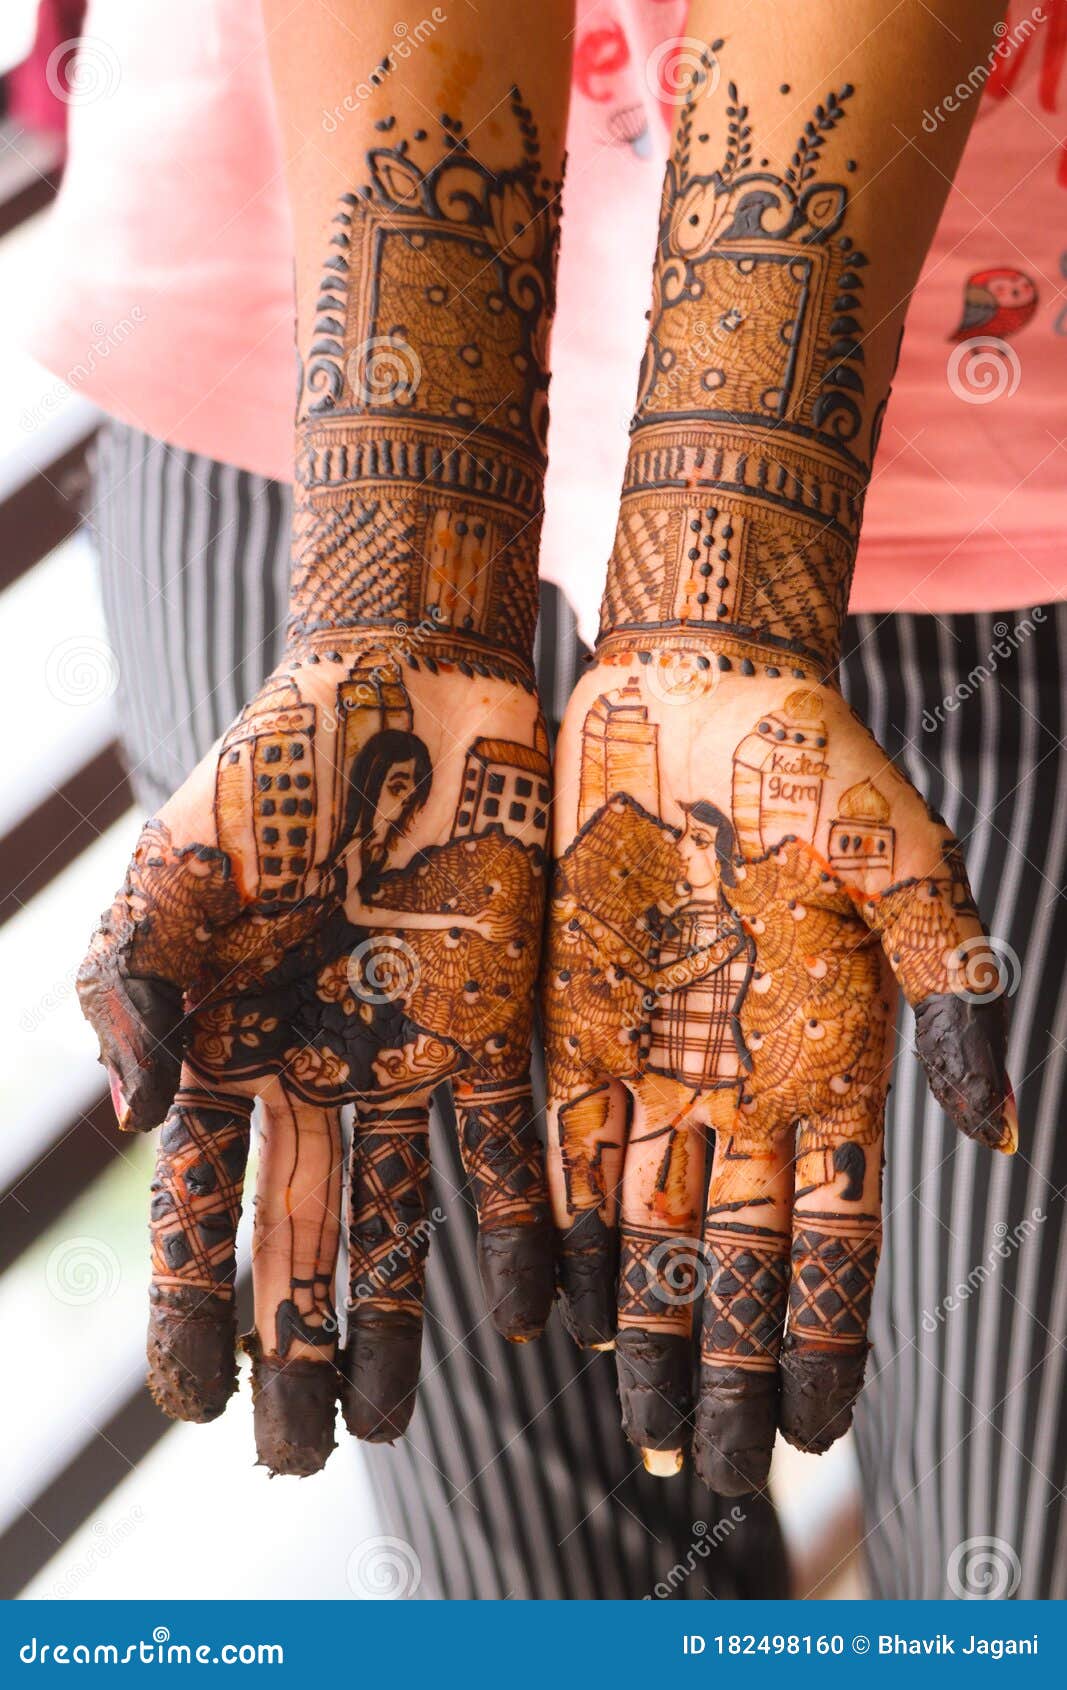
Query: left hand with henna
{"x":343,"y":904}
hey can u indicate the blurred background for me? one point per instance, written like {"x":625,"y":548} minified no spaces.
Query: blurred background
{"x":100,"y":1496}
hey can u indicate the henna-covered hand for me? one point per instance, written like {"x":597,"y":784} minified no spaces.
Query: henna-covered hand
{"x":742,"y":876}
{"x":343,"y":904}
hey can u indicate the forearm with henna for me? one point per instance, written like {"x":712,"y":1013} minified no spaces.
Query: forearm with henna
{"x":712,"y":785}
{"x":343,"y":904}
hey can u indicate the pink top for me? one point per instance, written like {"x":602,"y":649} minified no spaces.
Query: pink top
{"x":166,"y":294}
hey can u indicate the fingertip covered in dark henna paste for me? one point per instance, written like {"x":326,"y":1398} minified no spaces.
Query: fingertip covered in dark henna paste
{"x":380,"y":1367}
{"x":818,"y":1395}
{"x":294,"y":1407}
{"x":655,"y":1387}
{"x":736,"y":1422}
{"x":588,"y":1275}
{"x":192,"y":1354}
{"x":138,"y":1027}
{"x":961,"y":1042}
{"x":518,"y":1273}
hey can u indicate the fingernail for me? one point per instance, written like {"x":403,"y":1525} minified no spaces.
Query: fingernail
{"x":1009,"y":1143}
{"x":662,"y":1463}
{"x":603,"y":1348}
{"x":118,"y":1099}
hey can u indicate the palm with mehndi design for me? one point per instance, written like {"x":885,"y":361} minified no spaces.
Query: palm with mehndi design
{"x":343,"y":904}
{"x":743,"y":880}
{"x":742,"y":877}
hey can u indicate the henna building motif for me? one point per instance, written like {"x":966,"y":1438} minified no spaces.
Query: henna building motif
{"x":778,"y":777}
{"x":505,"y":788}
{"x":267,"y":769}
{"x":619,"y":751}
{"x":861,"y":839}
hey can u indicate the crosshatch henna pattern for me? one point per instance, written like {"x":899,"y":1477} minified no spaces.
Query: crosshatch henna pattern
{"x":344,"y":902}
{"x":742,"y":878}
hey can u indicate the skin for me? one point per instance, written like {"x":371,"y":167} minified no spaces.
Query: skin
{"x":743,"y":880}
{"x":343,"y":903}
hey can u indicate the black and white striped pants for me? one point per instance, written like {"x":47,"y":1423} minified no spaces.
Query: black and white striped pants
{"x":515,"y":1479}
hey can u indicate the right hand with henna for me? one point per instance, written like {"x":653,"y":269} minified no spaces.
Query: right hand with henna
{"x":743,"y":879}
{"x":342,"y":904}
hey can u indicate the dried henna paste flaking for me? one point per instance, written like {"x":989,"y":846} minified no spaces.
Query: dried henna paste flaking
{"x":294,"y":1408}
{"x":380,"y":1365}
{"x":192,"y":1353}
{"x":735,"y":1425}
{"x":818,"y":1394}
{"x":655,"y":1388}
{"x":961,"y":1043}
{"x":517,"y":1270}
{"x":588,"y":1273}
